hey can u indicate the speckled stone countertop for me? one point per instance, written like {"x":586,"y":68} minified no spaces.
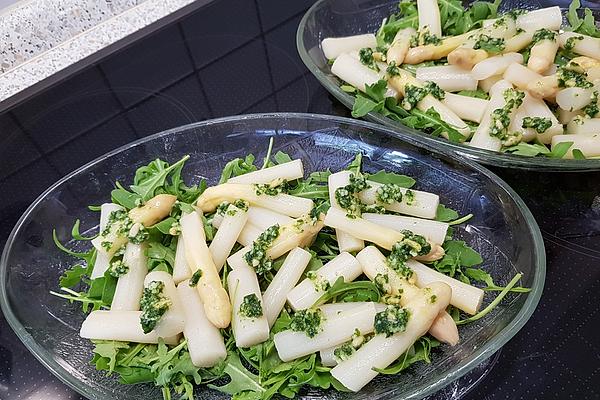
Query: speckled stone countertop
{"x":42,"y":37}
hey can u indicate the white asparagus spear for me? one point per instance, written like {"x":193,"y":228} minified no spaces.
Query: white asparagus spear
{"x":565,"y":116}
{"x":435,"y":231}
{"x":574,"y":98}
{"x":173,"y":320}
{"x":248,"y":330}
{"x":534,"y":107}
{"x":327,"y":356}
{"x":123,"y":326}
{"x":520,"y":76}
{"x":230,"y":192}
{"x":181,"y":271}
{"x":466,"y":107}
{"x":400,"y":46}
{"x":332,"y":310}
{"x":495,"y":65}
{"x":249,"y":234}
{"x":374,"y":263}
{"x":102,"y":259}
{"x":415,"y":203}
{"x":130,"y":286}
{"x":465,"y":297}
{"x":204,"y":340}
{"x":404,"y":78}
{"x":309,"y":291}
{"x":337,"y":330}
{"x":429,"y":17}
{"x":349,"y":69}
{"x":580,"y":44}
{"x":549,"y":18}
{"x":198,"y":257}
{"x":448,"y":77}
{"x":283,"y":282}
{"x":225,"y":238}
{"x":346,"y":242}
{"x":334,"y":47}
{"x":300,"y":233}
{"x":259,"y":217}
{"x":518,"y":42}
{"x":288,"y":171}
{"x":542,"y":55}
{"x":589,"y":145}
{"x":155,"y":209}
{"x":584,"y":126}
{"x":486,"y":84}
{"x":416,"y":55}
{"x":482,"y":138}
{"x":355,"y":372}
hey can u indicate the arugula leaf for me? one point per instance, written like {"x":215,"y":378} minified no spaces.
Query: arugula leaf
{"x":585,"y":25}
{"x":109,"y":349}
{"x":363,"y":105}
{"x":407,"y":17}
{"x":430,"y":121}
{"x":342,"y":291}
{"x":528,"y":149}
{"x":391,"y":177}
{"x":75,"y":232}
{"x":281,"y":157}
{"x":479,"y":93}
{"x":72,"y":276}
{"x":479,"y":275}
{"x":150,"y":178}
{"x":242,"y":380}
{"x":160,"y":255}
{"x":165,"y":225}
{"x":560,"y":150}
{"x":237,"y":167}
{"x":445,"y":214}
{"x":578,"y":154}
{"x":456,"y":20}
{"x":420,"y":351}
{"x":465,"y":254}
{"x":124,"y":197}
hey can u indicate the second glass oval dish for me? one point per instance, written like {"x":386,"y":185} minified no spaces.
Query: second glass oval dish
{"x":340,"y":18}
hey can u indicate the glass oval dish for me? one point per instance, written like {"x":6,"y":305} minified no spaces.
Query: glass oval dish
{"x":502,"y":229}
{"x":333,"y":18}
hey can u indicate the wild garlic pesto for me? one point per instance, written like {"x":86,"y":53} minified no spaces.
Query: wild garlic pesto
{"x":501,"y":117}
{"x":272,"y":189}
{"x":251,"y":307}
{"x":138,"y":233}
{"x":257,"y":256}
{"x":391,"y":320}
{"x":389,"y":193}
{"x":195,"y":278}
{"x":489,"y":44}
{"x":382,"y":281}
{"x":591,"y":110}
{"x":412,"y":245}
{"x":543,"y":34}
{"x":571,"y":42}
{"x":424,"y":37}
{"x":346,"y":196}
{"x":224,"y":209}
{"x":118,"y":268}
{"x":571,"y":78}
{"x":366,"y":58}
{"x":344,"y":352}
{"x":539,"y":124}
{"x":409,"y":197}
{"x":320,"y":283}
{"x":308,"y":321}
{"x":153,"y":305}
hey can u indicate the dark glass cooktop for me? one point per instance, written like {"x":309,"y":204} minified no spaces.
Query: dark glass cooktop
{"x":239,"y":56}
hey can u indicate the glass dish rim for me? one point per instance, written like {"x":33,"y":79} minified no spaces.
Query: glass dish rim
{"x":487,"y":157}
{"x":481,"y":354}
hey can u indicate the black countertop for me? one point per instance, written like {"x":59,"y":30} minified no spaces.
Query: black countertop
{"x":239,"y":56}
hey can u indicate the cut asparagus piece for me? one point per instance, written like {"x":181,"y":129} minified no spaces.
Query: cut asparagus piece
{"x":288,"y":171}
{"x":204,"y":340}
{"x":228,"y":233}
{"x":173,"y":320}
{"x":102,"y":259}
{"x":334,"y":47}
{"x":435,"y":231}
{"x":131,"y":285}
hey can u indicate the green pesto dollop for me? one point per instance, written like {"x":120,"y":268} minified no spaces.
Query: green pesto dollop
{"x":539,"y":124}
{"x":257,"y":256}
{"x":543,"y":34}
{"x":591,"y":110}
{"x":489,"y":44}
{"x":366,"y":58}
{"x":153,"y":305}
{"x":391,"y":320}
{"x":571,"y":42}
{"x":501,"y":116}
{"x":195,"y":278}
{"x":251,"y":307}
{"x":224,"y":209}
{"x":570,"y":78}
{"x":412,"y":245}
{"x":118,"y":268}
{"x":344,"y":352}
{"x":308,"y":321}
{"x":389,"y":193}
{"x":272,"y":189}
{"x":346,"y":196}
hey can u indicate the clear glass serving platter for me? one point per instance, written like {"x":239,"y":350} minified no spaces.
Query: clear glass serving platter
{"x":502,"y":230}
{"x":335,"y":18}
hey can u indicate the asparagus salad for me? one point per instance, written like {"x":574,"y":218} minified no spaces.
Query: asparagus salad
{"x":518,"y":82}
{"x":270,"y":282}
